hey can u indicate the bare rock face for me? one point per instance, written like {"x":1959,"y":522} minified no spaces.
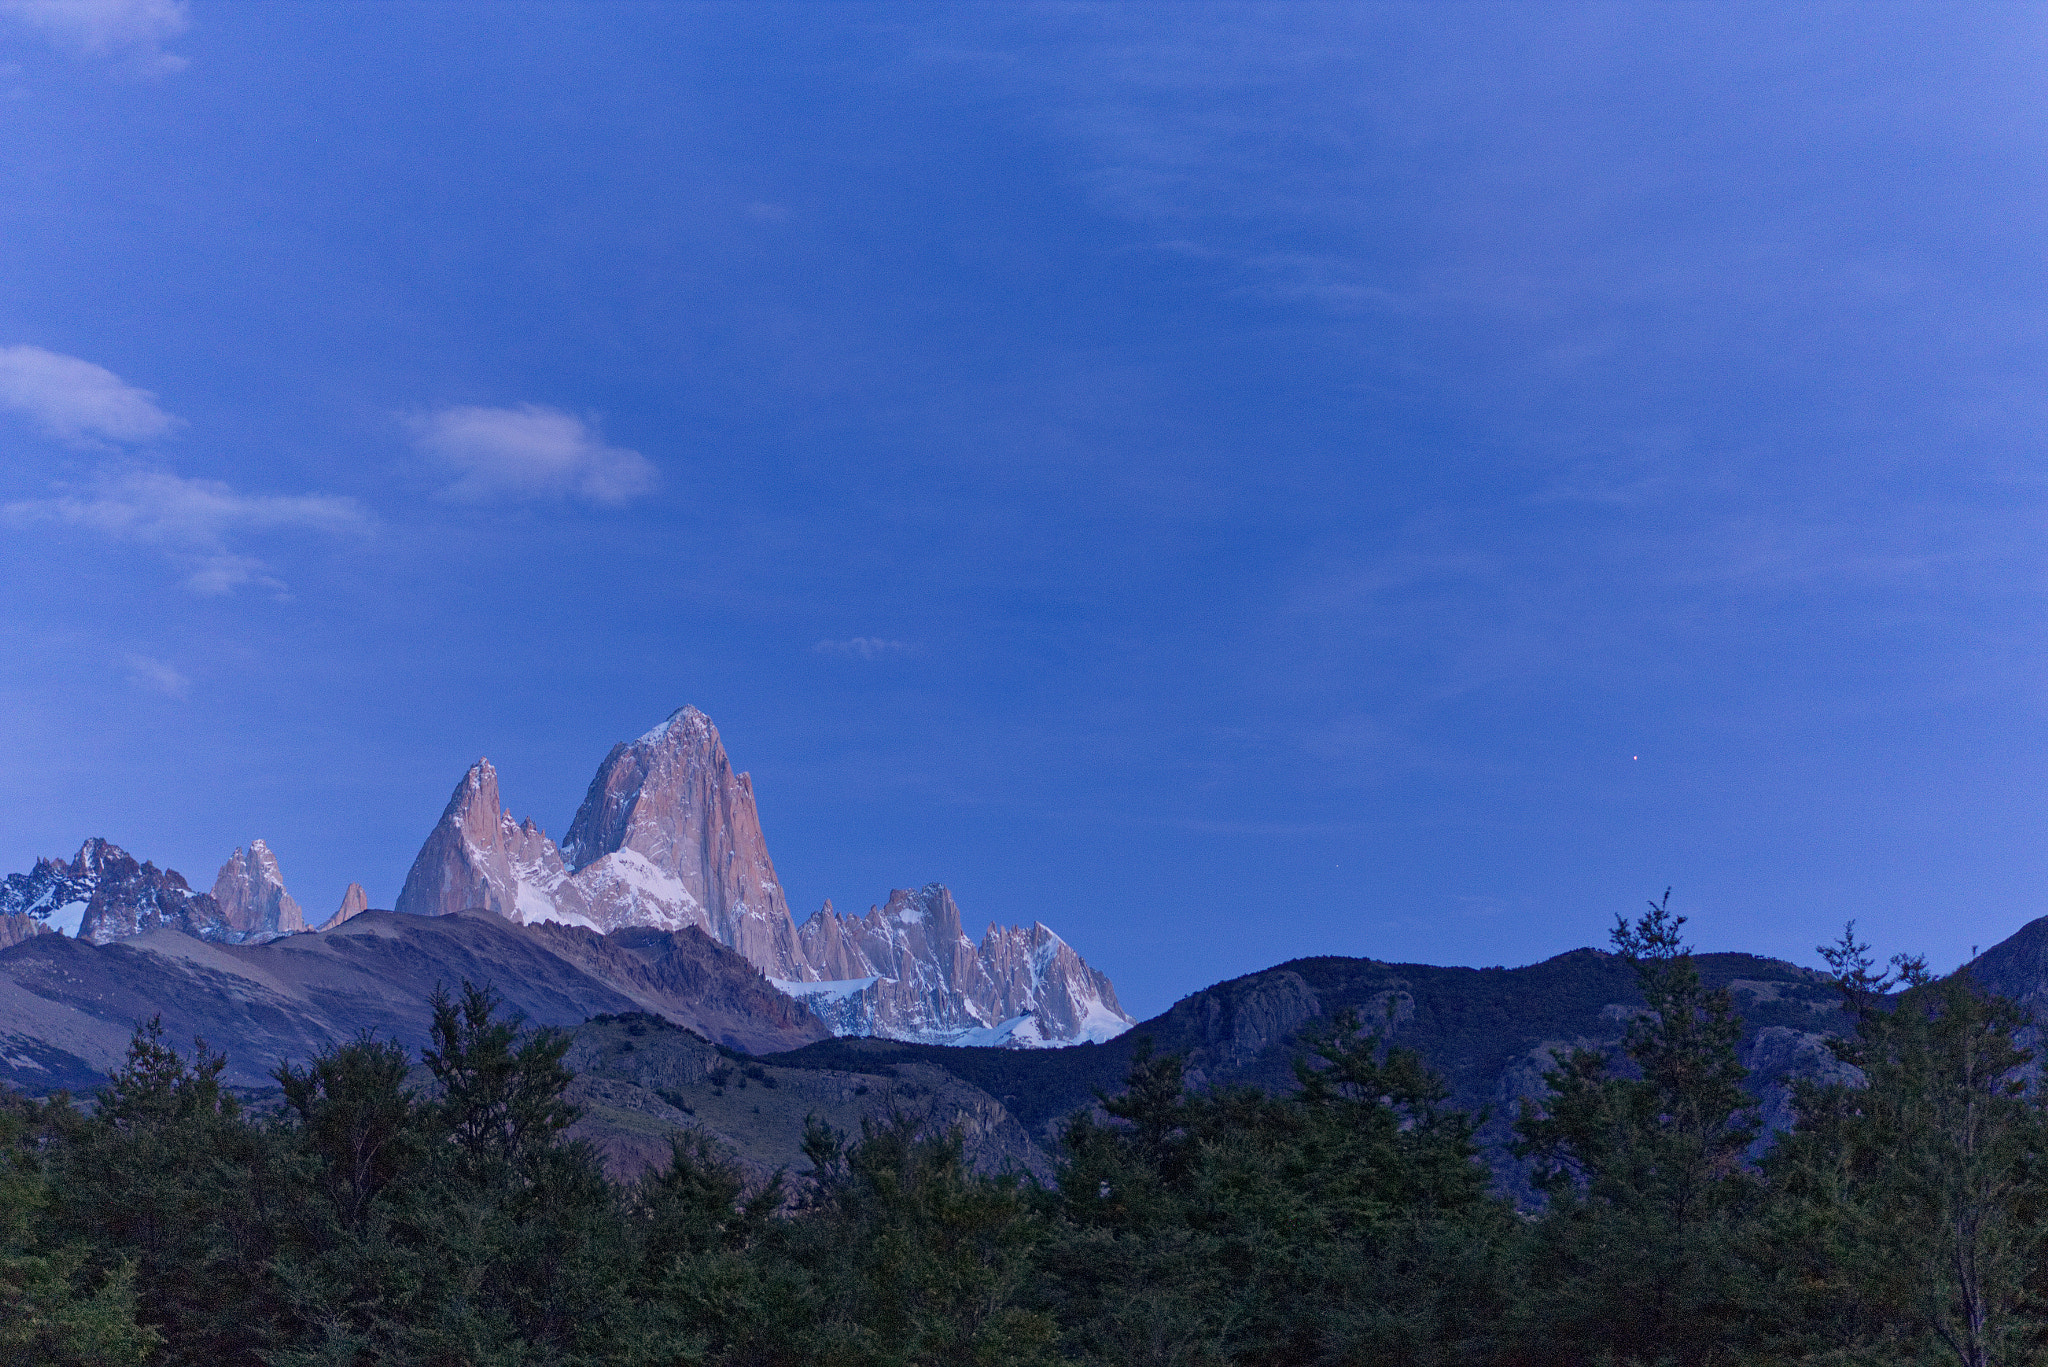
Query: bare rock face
{"x":16,"y":927}
{"x":354,"y":903}
{"x":250,"y":891}
{"x":668,"y":836}
{"x":479,"y":857}
{"x":103,"y":894}
{"x":1238,"y":1026}
{"x":908,"y":971}
{"x":917,"y":973}
{"x":1037,"y":974}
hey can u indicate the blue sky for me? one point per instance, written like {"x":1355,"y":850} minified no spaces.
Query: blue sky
{"x":1229,"y":482}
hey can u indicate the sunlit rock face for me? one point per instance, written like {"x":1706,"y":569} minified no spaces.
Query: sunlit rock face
{"x":668,"y":835}
{"x":250,"y":892}
{"x":478,"y":856}
{"x":354,"y":903}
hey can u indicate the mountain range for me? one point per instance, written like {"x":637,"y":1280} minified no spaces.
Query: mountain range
{"x":667,"y":838}
{"x":658,"y":932}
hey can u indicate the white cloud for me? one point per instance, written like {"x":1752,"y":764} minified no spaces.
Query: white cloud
{"x":193,"y":522}
{"x":529,"y":452}
{"x":157,"y":676}
{"x":136,"y":29}
{"x":75,"y":399}
{"x":866,"y":647}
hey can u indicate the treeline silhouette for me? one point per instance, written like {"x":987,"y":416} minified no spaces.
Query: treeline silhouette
{"x":372,"y":1222}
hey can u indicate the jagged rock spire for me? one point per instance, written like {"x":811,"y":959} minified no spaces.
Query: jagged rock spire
{"x":250,"y":890}
{"x":354,"y":903}
{"x":478,"y":857}
{"x":667,"y":819}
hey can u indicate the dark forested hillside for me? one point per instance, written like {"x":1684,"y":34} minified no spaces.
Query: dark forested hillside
{"x":1488,"y":1032}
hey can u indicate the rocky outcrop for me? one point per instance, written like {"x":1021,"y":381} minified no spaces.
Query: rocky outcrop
{"x":15,"y":927}
{"x":53,"y":895}
{"x":251,"y":895}
{"x":354,"y":903}
{"x":104,"y":894}
{"x":907,"y":967}
{"x":1238,"y":1026}
{"x":668,"y":836}
{"x":908,"y":971}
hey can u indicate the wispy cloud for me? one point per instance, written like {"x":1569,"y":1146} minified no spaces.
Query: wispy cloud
{"x":193,"y":522}
{"x":156,"y":676}
{"x":76,"y":400}
{"x":865,"y":647}
{"x":529,"y":452}
{"x":133,"y":29}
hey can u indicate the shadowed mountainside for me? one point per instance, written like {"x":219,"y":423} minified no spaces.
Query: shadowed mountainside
{"x":68,"y":1007}
{"x":1488,"y":1031}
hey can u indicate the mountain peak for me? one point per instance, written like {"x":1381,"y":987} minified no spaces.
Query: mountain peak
{"x":354,"y":903}
{"x":250,"y":891}
{"x":478,"y":855}
{"x":104,"y":894}
{"x":907,"y":970}
{"x":684,"y":719}
{"x":666,"y":821}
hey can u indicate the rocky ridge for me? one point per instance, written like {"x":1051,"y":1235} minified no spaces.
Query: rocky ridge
{"x":907,"y":970}
{"x":668,"y":839}
{"x":1489,"y":1033}
{"x":103,"y":894}
{"x":68,"y":1007}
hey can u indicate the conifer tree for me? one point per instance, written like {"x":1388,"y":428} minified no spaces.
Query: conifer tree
{"x":1639,"y":1253}
{"x":51,"y":1313}
{"x":1913,"y":1191}
{"x":917,"y":1260}
{"x":166,"y":1174}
